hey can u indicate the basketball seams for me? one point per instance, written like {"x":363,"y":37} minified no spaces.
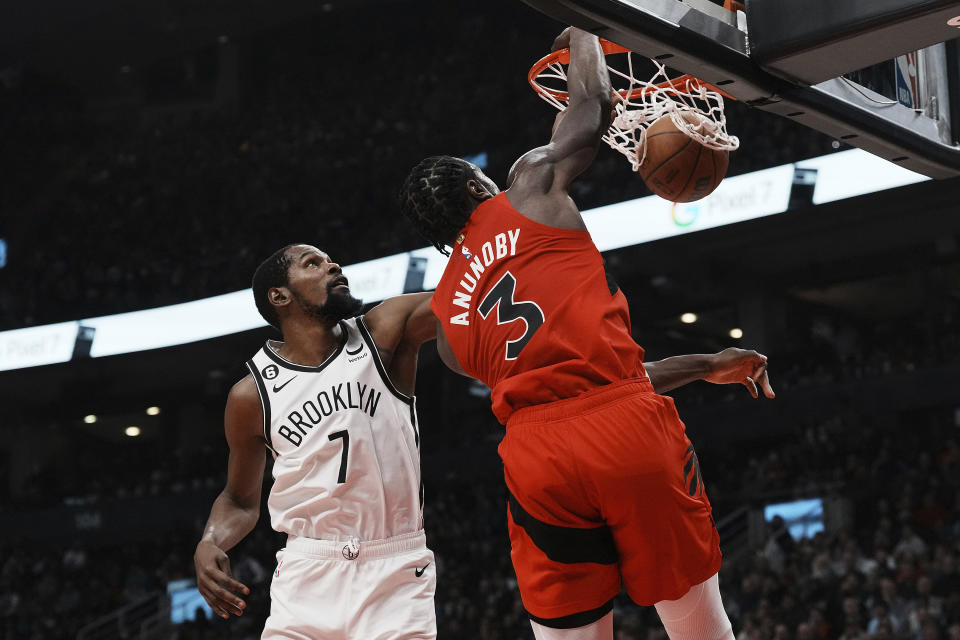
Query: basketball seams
{"x":667,"y":133}
{"x":693,"y":171}
{"x":673,"y":163}
{"x":654,"y":171}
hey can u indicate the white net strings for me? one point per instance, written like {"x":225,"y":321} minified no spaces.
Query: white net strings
{"x":693,"y":108}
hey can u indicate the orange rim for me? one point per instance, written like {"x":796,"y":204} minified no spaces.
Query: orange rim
{"x":562,"y":56}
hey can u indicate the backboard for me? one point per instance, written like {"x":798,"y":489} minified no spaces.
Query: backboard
{"x":881,"y":75}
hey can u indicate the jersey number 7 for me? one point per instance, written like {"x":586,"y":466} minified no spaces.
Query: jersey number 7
{"x":344,"y":455}
{"x":508,"y":310}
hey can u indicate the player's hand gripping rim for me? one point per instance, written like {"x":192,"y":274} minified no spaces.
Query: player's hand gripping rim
{"x":562,"y":41}
{"x":215,"y":583}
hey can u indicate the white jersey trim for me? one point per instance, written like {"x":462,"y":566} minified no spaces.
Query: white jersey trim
{"x":279,"y":359}
{"x":283,"y":362}
{"x":410,"y":400}
{"x":365,"y":334}
{"x":264,"y":405}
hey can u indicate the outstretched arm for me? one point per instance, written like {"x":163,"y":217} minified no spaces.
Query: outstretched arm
{"x":731,"y":365}
{"x":236,"y":510}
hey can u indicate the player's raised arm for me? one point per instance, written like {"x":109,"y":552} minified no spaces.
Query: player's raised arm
{"x":579,"y":128}
{"x":399,"y":326}
{"x":236,"y":510}
{"x":537,"y":183}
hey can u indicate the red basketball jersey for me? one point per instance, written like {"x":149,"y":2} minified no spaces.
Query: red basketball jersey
{"x":528,"y":311}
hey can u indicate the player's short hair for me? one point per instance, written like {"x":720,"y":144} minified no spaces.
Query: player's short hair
{"x":272,"y":272}
{"x":434,"y":197}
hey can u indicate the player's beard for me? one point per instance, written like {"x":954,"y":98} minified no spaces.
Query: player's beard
{"x":339,"y":306}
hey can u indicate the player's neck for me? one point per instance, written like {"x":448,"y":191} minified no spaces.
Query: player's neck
{"x":452,"y":242}
{"x":309,"y":342}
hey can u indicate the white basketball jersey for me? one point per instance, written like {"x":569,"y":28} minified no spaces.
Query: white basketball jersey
{"x":344,"y":440}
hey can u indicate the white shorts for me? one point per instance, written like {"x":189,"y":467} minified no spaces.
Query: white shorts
{"x":376,"y":590}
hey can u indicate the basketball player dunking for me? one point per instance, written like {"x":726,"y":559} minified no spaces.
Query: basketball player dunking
{"x":333,"y":404}
{"x":603,"y":483}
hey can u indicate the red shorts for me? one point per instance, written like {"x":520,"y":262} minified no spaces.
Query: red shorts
{"x":605,"y":486}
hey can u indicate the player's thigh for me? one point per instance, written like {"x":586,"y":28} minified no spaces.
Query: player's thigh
{"x":299,"y":583}
{"x":567,"y":577}
{"x":394,"y":598}
{"x":562,"y":552}
{"x":652,"y":496}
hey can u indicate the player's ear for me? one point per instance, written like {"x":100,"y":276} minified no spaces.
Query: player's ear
{"x":279,"y":296}
{"x":477,"y":190}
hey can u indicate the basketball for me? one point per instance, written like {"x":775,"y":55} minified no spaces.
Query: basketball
{"x":678,"y":167}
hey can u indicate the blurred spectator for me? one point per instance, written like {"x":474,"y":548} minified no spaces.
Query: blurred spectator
{"x":117,"y":211}
{"x":855,"y":582}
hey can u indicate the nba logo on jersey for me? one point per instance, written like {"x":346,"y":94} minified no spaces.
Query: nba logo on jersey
{"x":466,"y":252}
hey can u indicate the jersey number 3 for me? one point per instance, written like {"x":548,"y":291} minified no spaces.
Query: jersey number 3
{"x":509,"y":310}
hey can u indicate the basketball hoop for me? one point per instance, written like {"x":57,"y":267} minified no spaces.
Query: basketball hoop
{"x":694,"y":106}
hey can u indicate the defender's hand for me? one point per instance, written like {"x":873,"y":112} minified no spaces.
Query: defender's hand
{"x":215,"y":583}
{"x":743,"y":366}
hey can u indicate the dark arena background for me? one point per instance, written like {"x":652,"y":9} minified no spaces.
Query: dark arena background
{"x":153,"y":154}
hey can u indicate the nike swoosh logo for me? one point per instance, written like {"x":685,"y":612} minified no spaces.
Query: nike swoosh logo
{"x":353,"y":353}
{"x":419,"y":572}
{"x":277,"y":388}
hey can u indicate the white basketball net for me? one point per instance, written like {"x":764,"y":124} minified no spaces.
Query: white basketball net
{"x":693,"y":108}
